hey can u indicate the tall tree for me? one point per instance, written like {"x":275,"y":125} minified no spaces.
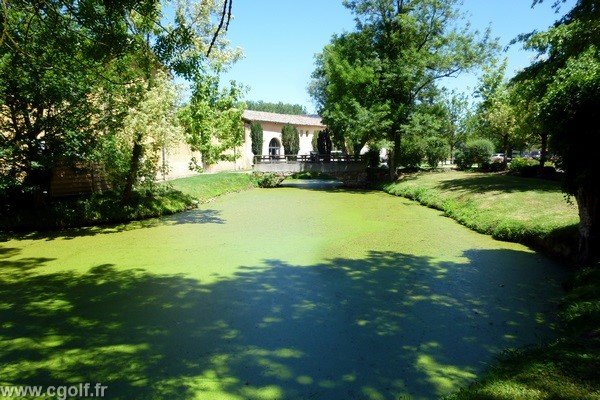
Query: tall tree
{"x":290,"y":139}
{"x":400,"y":50}
{"x":213,"y":121}
{"x":182,"y":47}
{"x":454,"y":129}
{"x":53,"y":57}
{"x":154,"y":118}
{"x":256,"y":135}
{"x":71,"y":70}
{"x":496,"y":114}
{"x":568,"y":82}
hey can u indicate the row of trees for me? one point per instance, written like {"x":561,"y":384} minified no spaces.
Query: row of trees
{"x":93,"y":82}
{"x":379,"y":85}
{"x":279,"y":108}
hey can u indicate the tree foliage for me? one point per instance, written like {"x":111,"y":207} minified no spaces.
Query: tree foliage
{"x":154,"y":119}
{"x":72,"y":72}
{"x":213,"y":121}
{"x":566,"y":80}
{"x":256,"y":135}
{"x":367,"y":83}
{"x":279,"y":108}
{"x":476,"y":151}
{"x":436,"y":151}
{"x":290,"y":139}
{"x":496,"y":114}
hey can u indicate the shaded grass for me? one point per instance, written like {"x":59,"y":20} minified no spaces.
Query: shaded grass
{"x":530,"y":211}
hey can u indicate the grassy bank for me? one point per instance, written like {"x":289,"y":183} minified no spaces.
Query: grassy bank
{"x":529,"y":211}
{"x":94,"y":209}
{"x":524,"y":210}
{"x":205,"y":187}
{"x":164,"y":198}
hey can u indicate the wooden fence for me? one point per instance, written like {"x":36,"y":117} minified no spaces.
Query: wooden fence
{"x":82,"y":179}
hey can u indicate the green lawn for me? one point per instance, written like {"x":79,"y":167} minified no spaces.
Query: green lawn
{"x":208,"y":186}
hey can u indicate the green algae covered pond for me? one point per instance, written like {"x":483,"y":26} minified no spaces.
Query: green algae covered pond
{"x":299,"y":292}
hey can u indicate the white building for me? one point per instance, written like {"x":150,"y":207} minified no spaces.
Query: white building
{"x":273,"y":123}
{"x":178,"y":158}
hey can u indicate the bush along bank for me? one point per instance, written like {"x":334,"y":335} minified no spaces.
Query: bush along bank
{"x":96,"y":209}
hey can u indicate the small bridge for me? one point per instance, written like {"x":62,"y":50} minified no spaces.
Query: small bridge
{"x":351,"y":170}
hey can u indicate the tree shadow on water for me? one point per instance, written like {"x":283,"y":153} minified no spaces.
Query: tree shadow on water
{"x":195,"y":216}
{"x":381,"y":327}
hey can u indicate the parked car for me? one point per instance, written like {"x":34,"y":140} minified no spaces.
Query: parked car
{"x":497,"y":157}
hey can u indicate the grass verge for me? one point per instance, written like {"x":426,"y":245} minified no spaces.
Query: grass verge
{"x":529,"y":211}
{"x":524,"y":210}
{"x":208,"y":186}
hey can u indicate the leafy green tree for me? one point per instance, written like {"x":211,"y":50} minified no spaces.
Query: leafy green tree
{"x":290,"y":139}
{"x":496,"y":114}
{"x":155,"y":119}
{"x":567,"y":82}
{"x":256,"y":134}
{"x":50,"y":66}
{"x":436,"y":151}
{"x":455,"y":117}
{"x":315,"y":140}
{"x":378,"y":74}
{"x":527,"y":108}
{"x":412,"y":151}
{"x":213,"y":121}
{"x":476,"y":151}
{"x":70,"y":71}
{"x":343,"y":87}
{"x":324,"y":143}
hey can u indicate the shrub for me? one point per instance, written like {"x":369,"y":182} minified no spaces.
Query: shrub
{"x":475,"y":152}
{"x":517,"y":164}
{"x":462,"y":159}
{"x":436,"y":151}
{"x":412,"y":152}
{"x":480,"y":151}
{"x":267,"y":179}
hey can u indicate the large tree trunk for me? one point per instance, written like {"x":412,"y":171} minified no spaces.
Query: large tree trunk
{"x":587,"y":203}
{"x":543,"y":151}
{"x":134,"y":167}
{"x":394,"y":157}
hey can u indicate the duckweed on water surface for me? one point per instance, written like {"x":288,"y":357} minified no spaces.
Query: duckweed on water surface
{"x":268,"y":294}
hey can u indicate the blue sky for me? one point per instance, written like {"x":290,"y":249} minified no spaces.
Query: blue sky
{"x":281,"y":37}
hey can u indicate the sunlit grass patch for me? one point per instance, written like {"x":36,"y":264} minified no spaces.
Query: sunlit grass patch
{"x":208,"y":186}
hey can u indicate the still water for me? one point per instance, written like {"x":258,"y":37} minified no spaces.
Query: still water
{"x":299,"y":292}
